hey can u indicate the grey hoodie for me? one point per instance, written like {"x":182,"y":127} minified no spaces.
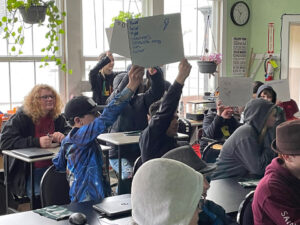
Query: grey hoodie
{"x":242,"y":154}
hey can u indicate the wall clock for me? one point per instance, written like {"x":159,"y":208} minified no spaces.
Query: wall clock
{"x":240,"y":13}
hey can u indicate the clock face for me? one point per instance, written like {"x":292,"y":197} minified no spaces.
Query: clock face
{"x":240,"y":13}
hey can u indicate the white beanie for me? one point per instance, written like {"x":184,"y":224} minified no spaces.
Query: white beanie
{"x":165,"y":192}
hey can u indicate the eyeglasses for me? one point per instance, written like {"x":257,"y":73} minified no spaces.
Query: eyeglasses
{"x":46,"y":97}
{"x":201,"y":203}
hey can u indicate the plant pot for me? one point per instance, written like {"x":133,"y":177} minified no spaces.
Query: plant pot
{"x":34,"y":14}
{"x":207,"y":66}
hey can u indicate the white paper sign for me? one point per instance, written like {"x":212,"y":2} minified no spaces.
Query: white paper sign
{"x":108,"y":32}
{"x":152,"y":41}
{"x":282,"y":89}
{"x":119,"y":40}
{"x":235,"y":91}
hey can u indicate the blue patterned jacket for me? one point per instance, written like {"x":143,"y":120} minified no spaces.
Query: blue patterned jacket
{"x":80,"y":154}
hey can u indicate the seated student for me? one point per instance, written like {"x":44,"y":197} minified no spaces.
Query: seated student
{"x":211,"y":212}
{"x":244,"y":152}
{"x":133,"y":118}
{"x":37,"y":123}
{"x":154,"y":202}
{"x":101,"y":78}
{"x":158,"y":137}
{"x":290,"y":108}
{"x":277,"y":196}
{"x":219,"y":124}
{"x":81,"y":149}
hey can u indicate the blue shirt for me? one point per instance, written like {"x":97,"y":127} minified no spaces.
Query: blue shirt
{"x":81,"y":156}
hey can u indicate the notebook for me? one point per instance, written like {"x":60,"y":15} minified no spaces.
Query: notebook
{"x":32,"y":152}
{"x":115,"y":205}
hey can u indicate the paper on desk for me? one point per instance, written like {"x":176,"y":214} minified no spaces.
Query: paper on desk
{"x":282,"y":89}
{"x":152,"y":41}
{"x":235,"y":91}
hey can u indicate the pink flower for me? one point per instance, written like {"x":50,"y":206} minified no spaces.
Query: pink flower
{"x":214,"y":57}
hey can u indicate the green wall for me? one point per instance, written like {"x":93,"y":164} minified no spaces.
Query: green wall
{"x":262,"y":12}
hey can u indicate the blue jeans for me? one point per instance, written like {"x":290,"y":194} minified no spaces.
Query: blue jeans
{"x":127,"y":169}
{"x":37,"y":174}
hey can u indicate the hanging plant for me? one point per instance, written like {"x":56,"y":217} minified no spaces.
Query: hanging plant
{"x":208,"y":62}
{"x":13,"y":26}
{"x":124,"y":16}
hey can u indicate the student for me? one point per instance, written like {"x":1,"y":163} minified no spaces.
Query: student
{"x":256,"y":85}
{"x":101,"y":78}
{"x":277,"y":196}
{"x":81,"y":149}
{"x":211,"y":212}
{"x":219,"y":124}
{"x":133,"y":118}
{"x":159,"y":136}
{"x":37,"y":123}
{"x":155,"y":203}
{"x":244,"y":153}
{"x":290,"y":108}
{"x":267,"y":92}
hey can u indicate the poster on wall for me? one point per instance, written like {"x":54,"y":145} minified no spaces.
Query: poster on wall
{"x":239,"y":55}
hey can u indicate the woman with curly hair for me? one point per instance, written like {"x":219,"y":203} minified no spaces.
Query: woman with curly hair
{"x":37,"y":123}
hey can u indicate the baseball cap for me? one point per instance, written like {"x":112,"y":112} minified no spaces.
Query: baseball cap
{"x":80,"y":106}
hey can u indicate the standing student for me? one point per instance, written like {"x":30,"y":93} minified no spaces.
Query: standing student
{"x":80,"y":154}
{"x":244,"y":153}
{"x":277,"y":196}
{"x":101,"y":78}
{"x":37,"y":123}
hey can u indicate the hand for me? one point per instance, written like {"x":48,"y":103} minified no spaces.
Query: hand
{"x":227,"y":113}
{"x":152,"y":71}
{"x":45,"y":141}
{"x":184,"y":71}
{"x":110,"y":56}
{"x":58,"y":137}
{"x":135,"y":75}
{"x":220,"y":108}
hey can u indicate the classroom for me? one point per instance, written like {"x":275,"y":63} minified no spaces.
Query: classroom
{"x":115,"y":111}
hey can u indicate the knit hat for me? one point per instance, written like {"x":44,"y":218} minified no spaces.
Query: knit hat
{"x":287,"y":138}
{"x":165,"y":192}
{"x":186,"y":155}
{"x":80,"y":106}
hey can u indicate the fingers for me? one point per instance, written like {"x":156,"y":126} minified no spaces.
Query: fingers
{"x":58,"y":137}
{"x":152,"y":71}
{"x":45,"y":141}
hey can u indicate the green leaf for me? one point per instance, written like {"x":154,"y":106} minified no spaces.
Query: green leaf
{"x":70,"y":71}
{"x":13,"y":34}
{"x":4,"y":19}
{"x":20,"y":52}
{"x":1,"y":24}
{"x":61,"y":31}
{"x":13,"y":49}
{"x":20,"y":29}
{"x":43,"y":50}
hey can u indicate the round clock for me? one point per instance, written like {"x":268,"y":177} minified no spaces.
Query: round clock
{"x":240,"y":13}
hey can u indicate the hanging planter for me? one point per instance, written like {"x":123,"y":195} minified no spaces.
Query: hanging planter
{"x":207,"y":66}
{"x":33,"y":14}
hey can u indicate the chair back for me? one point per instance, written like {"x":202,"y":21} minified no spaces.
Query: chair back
{"x":245,"y":214}
{"x":210,"y":154}
{"x":185,"y":127}
{"x":138,"y":162}
{"x":54,"y":188}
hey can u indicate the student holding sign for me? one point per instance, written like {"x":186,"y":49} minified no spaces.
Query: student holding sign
{"x":245,"y":154}
{"x":101,"y":78}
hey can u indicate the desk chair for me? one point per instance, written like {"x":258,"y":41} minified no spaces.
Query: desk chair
{"x":211,"y":154}
{"x":245,"y":215}
{"x":54,"y":188}
{"x":138,"y":162}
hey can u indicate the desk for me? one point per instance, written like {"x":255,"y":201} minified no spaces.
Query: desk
{"x":120,"y":138}
{"x":227,"y":193}
{"x":31,"y":218}
{"x":9,"y":153}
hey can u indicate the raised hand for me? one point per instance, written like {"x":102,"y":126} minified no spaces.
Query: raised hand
{"x":184,"y":71}
{"x":135,"y":75}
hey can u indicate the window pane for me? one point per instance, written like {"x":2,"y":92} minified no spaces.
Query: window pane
{"x":39,"y":39}
{"x":47,"y":75}
{"x":4,"y":97}
{"x":22,"y":80}
{"x":3,"y":46}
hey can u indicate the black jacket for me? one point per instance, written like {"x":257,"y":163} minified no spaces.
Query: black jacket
{"x":17,"y":133}
{"x":97,"y":79}
{"x":154,"y":142}
{"x":134,"y":115}
{"x":212,"y":127}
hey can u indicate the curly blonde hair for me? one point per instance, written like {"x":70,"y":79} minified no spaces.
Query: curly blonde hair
{"x":32,"y":106}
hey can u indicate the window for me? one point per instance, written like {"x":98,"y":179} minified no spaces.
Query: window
{"x":97,"y":16}
{"x":20,"y":73}
{"x":193,"y":19}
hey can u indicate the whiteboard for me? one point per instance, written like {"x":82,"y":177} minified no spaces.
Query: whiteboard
{"x":235,"y":91}
{"x":282,"y":89}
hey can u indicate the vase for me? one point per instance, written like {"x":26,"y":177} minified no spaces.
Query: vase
{"x":34,"y":14}
{"x":207,"y":66}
